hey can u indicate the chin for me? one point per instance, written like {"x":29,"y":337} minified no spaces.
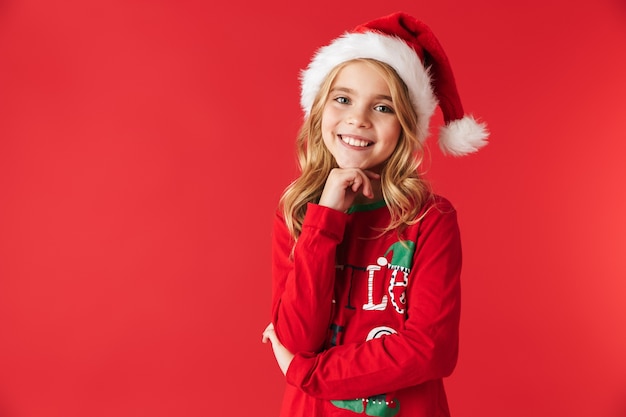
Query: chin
{"x":357,"y":166}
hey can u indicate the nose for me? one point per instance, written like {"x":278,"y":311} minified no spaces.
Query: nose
{"x":358,"y":117}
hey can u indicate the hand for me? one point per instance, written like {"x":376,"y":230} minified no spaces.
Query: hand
{"x":344,"y":184}
{"x":282,"y":355}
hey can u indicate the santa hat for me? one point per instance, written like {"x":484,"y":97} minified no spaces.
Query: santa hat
{"x":411,"y":49}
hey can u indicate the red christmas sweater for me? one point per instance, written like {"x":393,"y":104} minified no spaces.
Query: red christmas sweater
{"x":373,"y":319}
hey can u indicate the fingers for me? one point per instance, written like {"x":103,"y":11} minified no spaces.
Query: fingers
{"x":371,"y":175}
{"x":282,"y":355}
{"x":269,"y":334}
{"x":343,"y":185}
{"x":362,"y":179}
{"x":265,"y":334}
{"x":355,"y":184}
{"x":368,"y":189}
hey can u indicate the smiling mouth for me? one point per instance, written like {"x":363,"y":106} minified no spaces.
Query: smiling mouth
{"x":353,"y":141}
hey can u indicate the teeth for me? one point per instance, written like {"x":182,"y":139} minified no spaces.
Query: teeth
{"x":354,"y":142}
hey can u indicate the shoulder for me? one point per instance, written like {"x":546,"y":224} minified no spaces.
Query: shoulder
{"x":438,"y":226}
{"x":438,"y":214}
{"x":437,"y":205}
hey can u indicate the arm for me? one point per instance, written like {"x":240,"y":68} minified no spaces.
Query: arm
{"x":425,"y":349}
{"x":302,"y":289}
{"x":283,"y":356}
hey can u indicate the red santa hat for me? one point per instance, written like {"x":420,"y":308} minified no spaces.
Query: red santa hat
{"x":413,"y":51}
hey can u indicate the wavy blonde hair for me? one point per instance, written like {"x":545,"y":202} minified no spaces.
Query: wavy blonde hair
{"x":404,"y":191}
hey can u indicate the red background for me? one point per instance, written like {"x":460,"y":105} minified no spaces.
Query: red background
{"x":143,"y":148}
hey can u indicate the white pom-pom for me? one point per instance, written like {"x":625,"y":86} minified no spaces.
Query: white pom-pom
{"x":463,"y":136}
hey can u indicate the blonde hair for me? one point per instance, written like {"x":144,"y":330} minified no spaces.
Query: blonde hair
{"x":404,"y":191}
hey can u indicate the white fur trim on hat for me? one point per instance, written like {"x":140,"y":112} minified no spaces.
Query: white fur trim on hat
{"x":388,"y":49}
{"x":463,"y":136}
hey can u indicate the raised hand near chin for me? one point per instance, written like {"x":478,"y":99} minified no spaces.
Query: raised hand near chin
{"x":344,"y":185}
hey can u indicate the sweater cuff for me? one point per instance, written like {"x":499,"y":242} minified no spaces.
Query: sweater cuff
{"x":331,"y":222}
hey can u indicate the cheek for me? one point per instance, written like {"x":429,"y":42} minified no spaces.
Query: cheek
{"x":328,"y":123}
{"x":327,"y":132}
{"x":324,"y":127}
{"x":393,"y":132}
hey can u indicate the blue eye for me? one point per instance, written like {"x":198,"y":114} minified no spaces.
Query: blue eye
{"x":383,"y":109}
{"x":342,"y":100}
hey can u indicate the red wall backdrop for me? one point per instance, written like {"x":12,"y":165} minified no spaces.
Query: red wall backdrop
{"x":144,"y":145}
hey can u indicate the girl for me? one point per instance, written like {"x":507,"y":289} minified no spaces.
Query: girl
{"x":366,"y":259}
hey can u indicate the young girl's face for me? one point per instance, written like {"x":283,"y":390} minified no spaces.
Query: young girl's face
{"x":359,"y":123}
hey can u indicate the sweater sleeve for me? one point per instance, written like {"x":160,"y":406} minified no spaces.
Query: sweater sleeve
{"x":425,"y":349}
{"x":303,"y":284}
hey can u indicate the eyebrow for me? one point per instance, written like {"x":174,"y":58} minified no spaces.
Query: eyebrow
{"x":351,"y":91}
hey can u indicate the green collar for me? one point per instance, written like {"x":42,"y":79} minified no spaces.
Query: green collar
{"x":367,"y":207}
